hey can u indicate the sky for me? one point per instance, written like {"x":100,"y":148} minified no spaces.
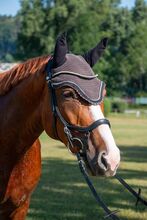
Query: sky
{"x":10,"y":7}
{"x":128,"y":3}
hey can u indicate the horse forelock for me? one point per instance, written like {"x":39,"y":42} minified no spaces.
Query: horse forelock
{"x":14,"y":76}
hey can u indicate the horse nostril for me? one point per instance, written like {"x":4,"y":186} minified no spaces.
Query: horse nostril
{"x":102,"y":161}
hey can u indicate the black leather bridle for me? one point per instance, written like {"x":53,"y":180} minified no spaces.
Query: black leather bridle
{"x":68,"y":128}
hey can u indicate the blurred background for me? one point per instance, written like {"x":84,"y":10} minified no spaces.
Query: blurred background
{"x":29,"y":29}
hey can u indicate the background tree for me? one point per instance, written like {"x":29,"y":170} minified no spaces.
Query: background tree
{"x":8,"y":36}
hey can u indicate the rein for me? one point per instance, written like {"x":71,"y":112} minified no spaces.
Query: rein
{"x":86,"y":130}
{"x":137,"y":195}
{"x":109,"y":213}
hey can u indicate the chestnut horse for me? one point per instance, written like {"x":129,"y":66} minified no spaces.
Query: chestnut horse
{"x":26,"y":111}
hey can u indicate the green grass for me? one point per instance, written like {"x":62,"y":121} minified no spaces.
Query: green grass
{"x":62,"y":193}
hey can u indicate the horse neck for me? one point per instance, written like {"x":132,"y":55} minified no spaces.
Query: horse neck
{"x":22,"y":107}
{"x":40,"y":98}
{"x":32,"y":98}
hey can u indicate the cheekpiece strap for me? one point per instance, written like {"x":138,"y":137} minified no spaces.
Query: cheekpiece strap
{"x":49,"y":72}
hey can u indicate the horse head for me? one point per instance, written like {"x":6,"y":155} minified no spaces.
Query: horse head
{"x":76,"y":97}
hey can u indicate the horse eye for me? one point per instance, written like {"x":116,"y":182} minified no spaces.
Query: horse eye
{"x":69,"y":94}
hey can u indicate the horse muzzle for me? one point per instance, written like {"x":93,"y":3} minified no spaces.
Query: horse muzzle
{"x":102,"y":164}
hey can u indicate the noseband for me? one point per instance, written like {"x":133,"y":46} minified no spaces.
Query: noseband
{"x":68,"y":128}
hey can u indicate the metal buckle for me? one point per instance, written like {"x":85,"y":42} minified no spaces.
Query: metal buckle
{"x":67,"y":132}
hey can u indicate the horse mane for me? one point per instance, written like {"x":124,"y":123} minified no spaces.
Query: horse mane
{"x":12,"y":77}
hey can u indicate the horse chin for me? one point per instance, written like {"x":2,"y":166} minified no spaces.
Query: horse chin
{"x":92,"y":168}
{"x":96,"y":171}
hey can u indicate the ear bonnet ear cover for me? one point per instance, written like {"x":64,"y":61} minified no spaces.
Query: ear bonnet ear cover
{"x":73,"y":71}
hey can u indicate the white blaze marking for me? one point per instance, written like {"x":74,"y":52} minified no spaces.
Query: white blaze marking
{"x":113,"y":154}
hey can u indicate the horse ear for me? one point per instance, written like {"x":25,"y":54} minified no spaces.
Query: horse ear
{"x":60,"y":51}
{"x":93,"y":55}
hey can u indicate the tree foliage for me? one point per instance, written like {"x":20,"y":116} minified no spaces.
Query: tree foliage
{"x":8,"y":36}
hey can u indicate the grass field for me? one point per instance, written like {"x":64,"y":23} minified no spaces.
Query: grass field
{"x":62,"y":193}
